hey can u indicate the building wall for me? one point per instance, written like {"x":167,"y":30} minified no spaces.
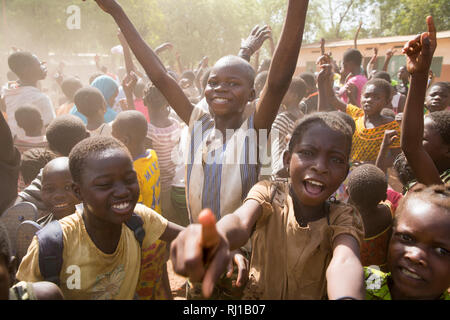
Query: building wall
{"x":441,"y":61}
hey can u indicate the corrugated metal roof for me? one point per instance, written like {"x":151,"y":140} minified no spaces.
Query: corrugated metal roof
{"x":382,"y":40}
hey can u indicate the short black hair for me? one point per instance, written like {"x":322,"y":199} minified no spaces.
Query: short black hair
{"x":32,"y":161}
{"x":64,"y":132}
{"x":131,"y":122}
{"x":309,"y":78}
{"x":404,"y":172}
{"x":367,"y":186}
{"x":153,"y":98}
{"x":441,"y":122}
{"x":382,"y":84}
{"x":382,"y":75}
{"x":89,"y":101}
{"x":353,"y":55}
{"x":70,"y":86}
{"x":260,"y":81}
{"x":29,"y":117}
{"x":298,"y":87}
{"x":139,"y":89}
{"x":347,"y":118}
{"x":246,"y":66}
{"x":326,"y":119}
{"x":20,"y":63}
{"x":442,"y":84}
{"x":5,"y":243}
{"x":87,"y":148}
{"x":438,"y":195}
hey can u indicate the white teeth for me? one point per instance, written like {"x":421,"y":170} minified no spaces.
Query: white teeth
{"x":121,"y":206}
{"x":220,"y":100}
{"x":316,"y":183}
{"x":410,"y":274}
{"x":60,"y":205}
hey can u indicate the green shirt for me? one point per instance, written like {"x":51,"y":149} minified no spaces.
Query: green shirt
{"x":377,"y":287}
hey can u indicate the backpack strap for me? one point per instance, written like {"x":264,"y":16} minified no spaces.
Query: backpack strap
{"x":51,"y":245}
{"x":135,"y":223}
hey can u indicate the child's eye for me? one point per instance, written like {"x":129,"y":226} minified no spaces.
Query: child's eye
{"x":443,"y":252}
{"x":405,"y":237}
{"x":337,"y":160}
{"x":305,"y":152}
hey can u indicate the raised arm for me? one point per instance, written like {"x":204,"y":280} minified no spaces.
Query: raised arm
{"x":282,"y":67}
{"x":371,"y":65}
{"x":419,"y":54}
{"x":327,"y":97}
{"x":149,"y":61}
{"x":389,"y":55}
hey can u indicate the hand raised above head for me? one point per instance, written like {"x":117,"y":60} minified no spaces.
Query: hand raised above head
{"x":325,"y":74}
{"x":200,"y":252}
{"x":419,"y":51}
{"x":390,"y":52}
{"x":256,"y":38}
{"x":324,"y":59}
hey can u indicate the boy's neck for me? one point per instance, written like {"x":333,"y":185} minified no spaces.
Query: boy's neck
{"x":94,"y":123}
{"x":233,"y":122}
{"x":34,"y":133}
{"x":27,"y":83}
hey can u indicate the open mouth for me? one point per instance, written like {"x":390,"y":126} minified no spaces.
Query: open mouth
{"x":61,"y":206}
{"x":220,"y":100}
{"x":122,"y":207}
{"x":313,"y":187}
{"x":410,"y":274}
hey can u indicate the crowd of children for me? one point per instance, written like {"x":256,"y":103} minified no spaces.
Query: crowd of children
{"x":340,"y":177}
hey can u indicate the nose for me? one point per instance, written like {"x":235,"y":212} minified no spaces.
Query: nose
{"x":121,"y":191}
{"x":415,"y":255}
{"x":320,"y":165}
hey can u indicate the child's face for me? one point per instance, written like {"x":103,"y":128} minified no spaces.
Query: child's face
{"x":373,"y":100}
{"x":228,"y":89}
{"x":318,"y":164}
{"x":402,"y":74}
{"x":419,"y":251}
{"x":432,"y":141}
{"x":57,"y":193}
{"x":438,"y":99}
{"x":109,"y":187}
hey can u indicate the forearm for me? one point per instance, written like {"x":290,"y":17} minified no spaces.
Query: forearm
{"x":283,"y":64}
{"x":144,"y":54}
{"x":345,"y":275}
{"x":412,"y":122}
{"x":386,"y":63}
{"x":381,"y":161}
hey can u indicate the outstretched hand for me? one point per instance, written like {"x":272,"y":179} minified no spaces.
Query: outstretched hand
{"x":419,"y":51}
{"x":256,"y":38}
{"x":201,"y":253}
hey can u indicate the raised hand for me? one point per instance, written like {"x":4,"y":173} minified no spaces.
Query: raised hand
{"x":390,"y":53}
{"x":256,"y":38}
{"x":201,"y":253}
{"x":390,"y":136}
{"x":129,"y":82}
{"x":419,"y":51}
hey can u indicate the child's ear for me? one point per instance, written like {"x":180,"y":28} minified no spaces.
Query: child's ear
{"x":252,"y":95}
{"x":76,"y":190}
{"x":287,"y":160}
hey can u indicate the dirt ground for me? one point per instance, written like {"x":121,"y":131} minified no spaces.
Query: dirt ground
{"x":176,"y":283}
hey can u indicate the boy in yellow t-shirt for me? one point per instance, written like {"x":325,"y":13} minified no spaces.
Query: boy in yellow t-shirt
{"x":130,"y":127}
{"x":101,"y":256}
